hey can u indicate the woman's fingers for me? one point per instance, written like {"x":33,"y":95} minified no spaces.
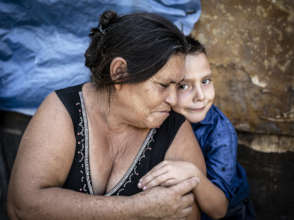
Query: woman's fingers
{"x":186,"y":206}
{"x":187,"y":211}
{"x":187,"y":200}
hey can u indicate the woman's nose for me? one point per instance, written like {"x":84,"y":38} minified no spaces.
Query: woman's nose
{"x":172,"y":97}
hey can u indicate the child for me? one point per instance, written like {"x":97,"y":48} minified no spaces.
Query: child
{"x":224,"y":192}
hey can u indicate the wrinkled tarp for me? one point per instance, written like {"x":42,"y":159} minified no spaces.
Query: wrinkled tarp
{"x":42,"y":42}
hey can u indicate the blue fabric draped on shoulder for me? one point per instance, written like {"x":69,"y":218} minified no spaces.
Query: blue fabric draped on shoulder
{"x":42,"y":42}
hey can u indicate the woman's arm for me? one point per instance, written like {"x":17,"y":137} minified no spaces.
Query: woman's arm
{"x":43,"y":161}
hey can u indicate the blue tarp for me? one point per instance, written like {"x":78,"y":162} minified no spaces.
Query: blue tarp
{"x":42,"y":42}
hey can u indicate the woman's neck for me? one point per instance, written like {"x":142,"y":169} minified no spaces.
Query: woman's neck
{"x":106,"y":109}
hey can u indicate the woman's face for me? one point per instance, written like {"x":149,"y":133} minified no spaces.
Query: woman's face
{"x":148,"y":103}
{"x":196,"y":92}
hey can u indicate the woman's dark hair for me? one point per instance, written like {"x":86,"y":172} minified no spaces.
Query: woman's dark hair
{"x":145,"y":40}
{"x":195,"y":46}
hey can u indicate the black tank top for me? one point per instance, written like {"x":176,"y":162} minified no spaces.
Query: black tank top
{"x":150,"y":154}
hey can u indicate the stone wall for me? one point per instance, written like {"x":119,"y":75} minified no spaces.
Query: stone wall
{"x":250,"y":45}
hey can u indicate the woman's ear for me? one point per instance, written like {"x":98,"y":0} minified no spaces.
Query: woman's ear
{"x":118,"y":69}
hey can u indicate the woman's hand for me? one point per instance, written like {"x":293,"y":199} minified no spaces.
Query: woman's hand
{"x":168,"y":173}
{"x":175,"y":202}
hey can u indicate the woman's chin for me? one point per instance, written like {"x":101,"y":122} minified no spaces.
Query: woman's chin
{"x":156,"y":122}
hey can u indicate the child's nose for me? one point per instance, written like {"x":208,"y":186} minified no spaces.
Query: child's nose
{"x":199,"y":94}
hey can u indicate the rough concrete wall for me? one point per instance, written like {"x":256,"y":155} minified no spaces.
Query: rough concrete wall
{"x":250,"y":45}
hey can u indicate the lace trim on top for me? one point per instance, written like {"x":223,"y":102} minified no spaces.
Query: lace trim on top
{"x":127,"y":178}
{"x":132,"y":169}
{"x":80,"y":136}
{"x":86,"y":136}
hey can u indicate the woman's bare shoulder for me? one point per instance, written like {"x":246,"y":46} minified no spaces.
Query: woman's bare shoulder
{"x":50,"y":118}
{"x":47,"y":146}
{"x":186,"y":147}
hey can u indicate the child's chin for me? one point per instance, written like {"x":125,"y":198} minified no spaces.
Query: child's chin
{"x":195,"y":118}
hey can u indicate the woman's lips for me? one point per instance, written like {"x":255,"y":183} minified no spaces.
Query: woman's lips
{"x":163,"y":113}
{"x":163,"y":110}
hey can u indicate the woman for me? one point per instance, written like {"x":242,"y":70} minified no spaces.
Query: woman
{"x":92,"y":141}
{"x":225,"y":190}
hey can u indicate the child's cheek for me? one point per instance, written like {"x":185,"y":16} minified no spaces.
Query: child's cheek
{"x":186,"y":99}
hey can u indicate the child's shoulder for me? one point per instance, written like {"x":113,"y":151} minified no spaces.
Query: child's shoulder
{"x":215,"y":130}
{"x":223,"y":133}
{"x":215,"y":112}
{"x":216,"y":117}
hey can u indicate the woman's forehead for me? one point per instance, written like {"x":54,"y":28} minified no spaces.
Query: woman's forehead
{"x":173,"y":71}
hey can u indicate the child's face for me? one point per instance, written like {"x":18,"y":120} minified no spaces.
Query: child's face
{"x":196,"y":92}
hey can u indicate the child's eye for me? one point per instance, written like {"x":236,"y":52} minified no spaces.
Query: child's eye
{"x":183,"y":86}
{"x":206,"y":81}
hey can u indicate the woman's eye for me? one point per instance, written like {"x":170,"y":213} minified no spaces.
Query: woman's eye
{"x":206,"y":81}
{"x":183,"y":86}
{"x":163,"y":85}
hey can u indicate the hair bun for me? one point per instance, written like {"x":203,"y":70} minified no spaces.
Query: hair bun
{"x":107,"y":18}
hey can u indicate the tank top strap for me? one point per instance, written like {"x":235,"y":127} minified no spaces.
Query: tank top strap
{"x":70,"y":97}
{"x":165,"y":136}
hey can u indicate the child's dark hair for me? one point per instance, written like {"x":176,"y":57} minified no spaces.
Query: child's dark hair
{"x":145,"y":40}
{"x":195,"y":46}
